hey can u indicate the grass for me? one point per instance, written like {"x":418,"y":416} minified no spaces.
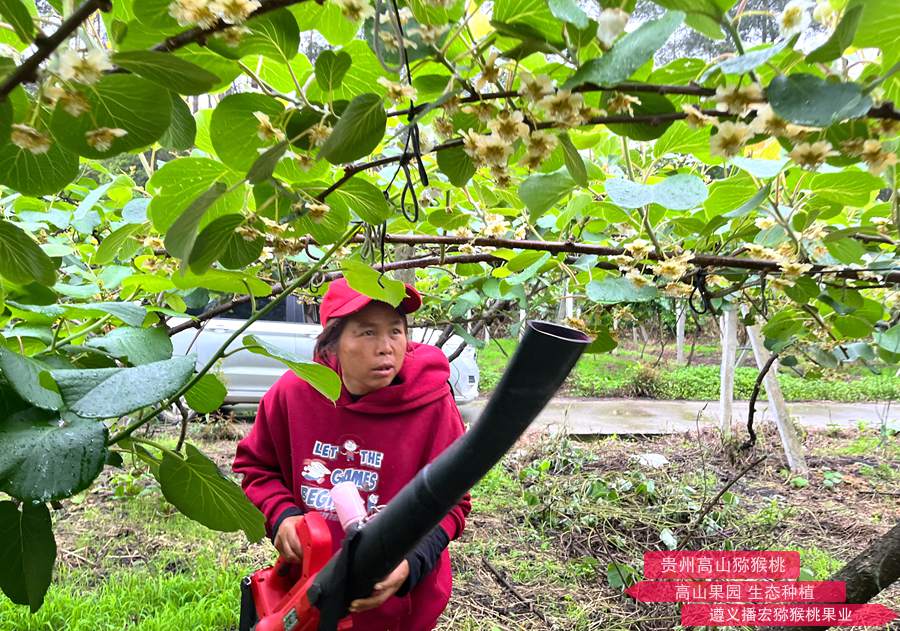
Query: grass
{"x":623,"y":375}
{"x":189,"y":581}
{"x":154,"y":597}
{"x":551,"y":520}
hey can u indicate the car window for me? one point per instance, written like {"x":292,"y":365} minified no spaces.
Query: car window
{"x":241,"y":311}
{"x":309,"y":313}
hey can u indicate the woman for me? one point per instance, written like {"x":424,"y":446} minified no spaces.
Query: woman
{"x":395,"y":414}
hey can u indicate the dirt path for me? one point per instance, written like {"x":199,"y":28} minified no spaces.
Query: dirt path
{"x":591,"y":417}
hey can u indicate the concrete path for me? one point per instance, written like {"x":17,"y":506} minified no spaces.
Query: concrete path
{"x":649,"y":416}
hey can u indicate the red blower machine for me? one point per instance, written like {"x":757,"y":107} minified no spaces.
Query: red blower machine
{"x":316,"y":596}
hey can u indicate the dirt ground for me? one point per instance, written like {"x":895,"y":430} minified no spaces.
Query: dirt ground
{"x":537,"y":547}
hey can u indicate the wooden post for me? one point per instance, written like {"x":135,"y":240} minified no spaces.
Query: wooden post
{"x":726,"y":373}
{"x":790,"y":441}
{"x":404,"y":252}
{"x":679,"y":332}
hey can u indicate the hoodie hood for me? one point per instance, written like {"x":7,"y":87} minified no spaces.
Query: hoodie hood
{"x":423,"y":379}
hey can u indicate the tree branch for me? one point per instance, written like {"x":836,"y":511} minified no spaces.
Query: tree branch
{"x":554,"y":247}
{"x":885,"y":110}
{"x":753,"y":396}
{"x":199,"y":35}
{"x":26,"y":72}
{"x":705,"y":511}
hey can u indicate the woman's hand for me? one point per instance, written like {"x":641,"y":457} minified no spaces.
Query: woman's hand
{"x":383,"y":590}
{"x":287,"y":542}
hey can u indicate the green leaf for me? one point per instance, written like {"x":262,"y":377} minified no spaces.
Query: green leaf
{"x":704,"y":16}
{"x":182,"y":129}
{"x":135,"y":211}
{"x":299,"y":121}
{"x":21,"y":258}
{"x":784,"y":325}
{"x":219,"y":241}
{"x":850,"y":188}
{"x":363,"y":198}
{"x":613,"y":290}
{"x":329,"y":228}
{"x":852,"y":328}
{"x":274,"y":35}
{"x":650,"y":104}
{"x":456,"y":165}
{"x":181,"y":181}
{"x":603,"y":342}
{"x":620,"y":576}
{"x":879,"y":27}
{"x":529,"y":272}
{"x":568,"y":11}
{"x":114,"y":392}
{"x":328,"y":20}
{"x":224,"y":281}
{"x":679,"y":192}
{"x":233,"y":128}
{"x":24,"y":375}
{"x":628,"y":54}
{"x":540,"y":191}
{"x":226,"y":69}
{"x":320,"y":377}
{"x":728,"y":194}
{"x":357,"y":133}
{"x":207,"y":395}
{"x":6,"y":108}
{"x":45,"y":458}
{"x":682,"y":139}
{"x":278,"y":74}
{"x":467,"y":337}
{"x":196,"y":487}
{"x":112,"y":244}
{"x":171,"y":72}
{"x":574,"y":163}
{"x":27,"y":553}
{"x":846,"y":250}
{"x":840,"y":39}
{"x":136,"y":345}
{"x":764,"y":169}
{"x":37,"y":174}
{"x":889,"y":340}
{"x":808,"y":100}
{"x":154,"y":14}
{"x":14,"y":12}
{"x":129,"y":313}
{"x":181,"y":236}
{"x":370,"y":282}
{"x":531,"y":16}
{"x":427,"y":12}
{"x":742,"y":64}
{"x":362,"y":78}
{"x":331,"y":68}
{"x":265,"y":164}
{"x":118,"y":101}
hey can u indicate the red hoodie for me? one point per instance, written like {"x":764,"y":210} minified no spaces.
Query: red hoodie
{"x":302,"y":444}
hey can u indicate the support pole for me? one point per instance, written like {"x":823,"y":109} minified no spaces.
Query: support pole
{"x":726,"y":375}
{"x":679,"y":332}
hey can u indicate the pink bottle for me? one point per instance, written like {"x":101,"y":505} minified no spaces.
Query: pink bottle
{"x":348,"y":504}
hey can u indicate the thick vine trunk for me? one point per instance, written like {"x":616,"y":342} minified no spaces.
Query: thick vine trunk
{"x":871,"y":571}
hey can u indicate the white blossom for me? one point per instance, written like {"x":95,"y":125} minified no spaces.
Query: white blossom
{"x":610,"y":25}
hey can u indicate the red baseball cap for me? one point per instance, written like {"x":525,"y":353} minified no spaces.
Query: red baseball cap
{"x":341,"y":300}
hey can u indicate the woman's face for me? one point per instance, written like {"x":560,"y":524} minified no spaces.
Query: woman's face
{"x":371,"y":348}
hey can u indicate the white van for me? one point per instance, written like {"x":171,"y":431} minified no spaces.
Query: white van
{"x":292,"y":326}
